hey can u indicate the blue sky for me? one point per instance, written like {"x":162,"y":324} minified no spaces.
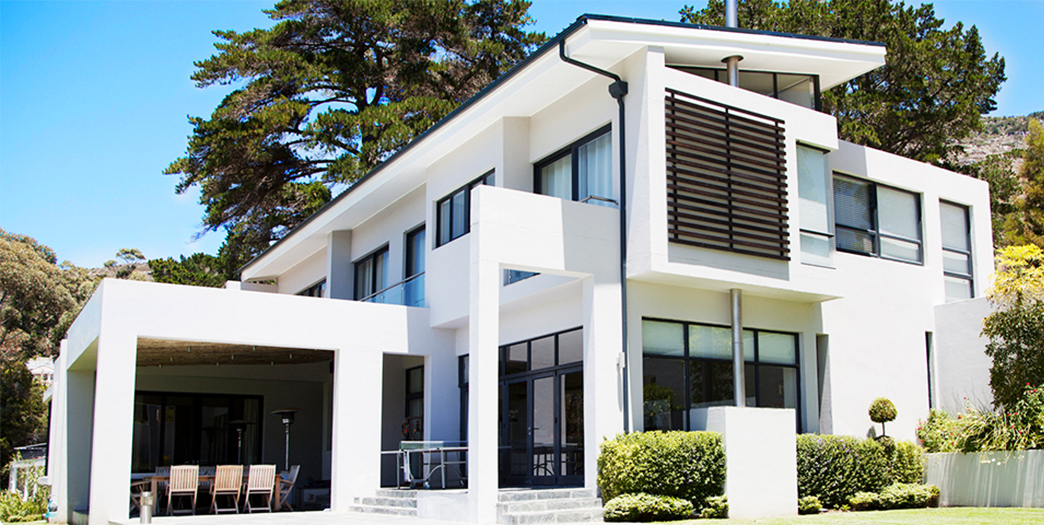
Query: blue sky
{"x":94,"y":98}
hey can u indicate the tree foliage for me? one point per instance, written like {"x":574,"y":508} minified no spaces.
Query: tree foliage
{"x":1016,"y":327}
{"x":330,"y":91}
{"x":932,"y":90}
{"x":23,"y":414}
{"x":200,"y":269}
{"x":33,"y":296}
{"x":1025,"y":223}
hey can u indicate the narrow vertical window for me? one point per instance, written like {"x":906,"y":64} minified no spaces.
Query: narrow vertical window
{"x":371,"y":275}
{"x":413,"y":291}
{"x":956,"y":246}
{"x":453,"y":212}
{"x":814,"y":204}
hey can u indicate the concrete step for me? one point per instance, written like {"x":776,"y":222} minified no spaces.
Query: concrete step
{"x":395,"y":511}
{"x":539,"y":494}
{"x":388,"y":502}
{"x":539,"y":505}
{"x":561,"y":516}
{"x":396,"y":493}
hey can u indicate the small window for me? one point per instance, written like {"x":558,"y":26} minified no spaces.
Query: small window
{"x":875,"y":220}
{"x":957,"y":256}
{"x":581,"y":172}
{"x":316,"y":290}
{"x":371,"y":274}
{"x":814,"y":198}
{"x":413,"y":285}
{"x":514,"y":276}
{"x":454,"y":210}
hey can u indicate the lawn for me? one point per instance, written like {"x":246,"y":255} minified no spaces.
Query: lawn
{"x":950,"y":515}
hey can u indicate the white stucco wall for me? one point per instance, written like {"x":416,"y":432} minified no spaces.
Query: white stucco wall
{"x":961,"y":368}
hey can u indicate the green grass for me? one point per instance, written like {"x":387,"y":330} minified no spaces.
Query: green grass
{"x":950,"y":515}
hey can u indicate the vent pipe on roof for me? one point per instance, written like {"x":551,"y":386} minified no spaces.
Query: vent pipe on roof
{"x":732,"y":62}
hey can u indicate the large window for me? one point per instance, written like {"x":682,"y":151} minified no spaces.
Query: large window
{"x":802,"y":90}
{"x":371,"y":274}
{"x":957,"y":257}
{"x":454,"y":210}
{"x":582,"y":171}
{"x":875,"y":220}
{"x":688,"y":365}
{"x":181,"y":428}
{"x":814,"y":198}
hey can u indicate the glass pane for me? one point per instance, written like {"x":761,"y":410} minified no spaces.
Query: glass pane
{"x":214,"y":441}
{"x":855,"y":241}
{"x":572,"y":424}
{"x":147,"y":426}
{"x":777,"y":348}
{"x":710,"y":341}
{"x":415,"y":380}
{"x":815,"y":250}
{"x":415,"y":252}
{"x":571,"y":347}
{"x":460,"y":224}
{"x":363,"y":279}
{"x":380,"y":271}
{"x":543,"y":353}
{"x":777,"y":386}
{"x":852,"y":204}
{"x":556,"y":179}
{"x":663,"y":338}
{"x":956,"y":262}
{"x":664,"y":393}
{"x":954,"y":226}
{"x":517,"y":358}
{"x":413,"y":292}
{"x":465,"y":361}
{"x":518,"y":429}
{"x":178,"y":437}
{"x":907,"y":251}
{"x":958,"y":289}
{"x":748,"y":346}
{"x":757,"y":82}
{"x":710,"y":383}
{"x":796,"y":89}
{"x":813,"y":190}
{"x":595,"y":167}
{"x":543,"y":427}
{"x":444,"y":222}
{"x":897,"y":213}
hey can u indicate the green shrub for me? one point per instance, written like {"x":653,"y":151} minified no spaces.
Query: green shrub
{"x":897,"y":496}
{"x":939,"y":433}
{"x":905,"y":463}
{"x":864,"y":501}
{"x":882,"y":410}
{"x":13,"y":509}
{"x":833,"y":468}
{"x":809,"y":505}
{"x":646,"y":507}
{"x":687,"y":465}
{"x":715,"y":507}
{"x":1020,"y":427}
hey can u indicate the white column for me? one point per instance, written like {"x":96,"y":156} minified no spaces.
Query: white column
{"x":603,"y":375}
{"x":483,"y":345}
{"x":340,"y":282}
{"x":113,"y":427}
{"x":356,"y":455}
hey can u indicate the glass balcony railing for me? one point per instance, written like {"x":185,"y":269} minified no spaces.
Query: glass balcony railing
{"x":409,"y":292}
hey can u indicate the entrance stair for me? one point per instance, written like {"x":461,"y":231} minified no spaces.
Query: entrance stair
{"x":388,"y":501}
{"x":514,"y":506}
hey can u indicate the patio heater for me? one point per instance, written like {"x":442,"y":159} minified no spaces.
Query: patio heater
{"x":287,"y":415}
{"x":239,"y":425}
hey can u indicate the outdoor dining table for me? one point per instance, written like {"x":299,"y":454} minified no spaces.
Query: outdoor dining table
{"x":155,"y":479}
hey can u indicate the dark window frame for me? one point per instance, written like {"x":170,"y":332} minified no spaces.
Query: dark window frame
{"x":316,"y":290}
{"x":756,"y":363}
{"x":970,"y":276}
{"x":356,"y":266}
{"x":875,"y":229}
{"x":720,"y":76}
{"x":407,"y":252}
{"x":502,"y":353}
{"x":488,"y":179}
{"x":413,"y":396}
{"x":574,"y":163}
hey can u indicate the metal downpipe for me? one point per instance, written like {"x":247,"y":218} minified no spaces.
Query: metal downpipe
{"x":739,"y":387}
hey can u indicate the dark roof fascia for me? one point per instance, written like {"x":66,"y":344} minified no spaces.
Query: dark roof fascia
{"x":666,"y":23}
{"x":549,"y":45}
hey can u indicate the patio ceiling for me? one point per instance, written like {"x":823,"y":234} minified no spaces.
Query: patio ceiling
{"x":166,"y":352}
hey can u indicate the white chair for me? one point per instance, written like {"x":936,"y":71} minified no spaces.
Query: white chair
{"x":184,"y":481}
{"x":260,"y":482}
{"x":287,"y":486}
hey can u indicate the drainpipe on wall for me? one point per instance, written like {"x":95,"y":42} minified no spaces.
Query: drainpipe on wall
{"x":739,"y":386}
{"x":732,"y":62}
{"x":617,"y":90}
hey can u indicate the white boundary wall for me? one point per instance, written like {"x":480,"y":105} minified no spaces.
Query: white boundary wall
{"x":988,"y":479}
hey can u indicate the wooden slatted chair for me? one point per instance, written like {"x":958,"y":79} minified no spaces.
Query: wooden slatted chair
{"x":228,"y":481}
{"x":184,"y":481}
{"x":260,"y":482}
{"x":287,"y":486}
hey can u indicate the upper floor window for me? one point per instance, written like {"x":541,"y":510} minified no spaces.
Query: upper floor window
{"x":316,"y":290}
{"x":875,"y":220}
{"x":583,"y":171}
{"x":413,"y":285}
{"x":814,"y":199}
{"x":371,"y":274}
{"x":957,"y":256}
{"x":454,"y":210}
{"x":802,"y":90}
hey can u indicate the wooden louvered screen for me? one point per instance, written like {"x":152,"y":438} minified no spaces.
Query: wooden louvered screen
{"x":726,"y":178}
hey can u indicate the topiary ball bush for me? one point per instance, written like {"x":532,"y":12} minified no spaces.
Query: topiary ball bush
{"x":809,"y":505}
{"x":882,"y":410}
{"x":687,"y":465}
{"x":646,"y":507}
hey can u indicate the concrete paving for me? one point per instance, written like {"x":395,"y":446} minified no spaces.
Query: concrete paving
{"x":290,"y":518}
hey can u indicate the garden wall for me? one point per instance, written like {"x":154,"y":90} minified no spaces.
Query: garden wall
{"x":988,"y":479}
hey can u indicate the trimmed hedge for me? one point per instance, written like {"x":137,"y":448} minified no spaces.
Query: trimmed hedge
{"x":835,"y":468}
{"x":906,"y":463}
{"x":646,"y":507}
{"x":897,"y":496}
{"x":809,"y":505}
{"x":687,"y":465}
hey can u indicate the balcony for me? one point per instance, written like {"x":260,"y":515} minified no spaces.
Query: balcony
{"x":408,"y":292}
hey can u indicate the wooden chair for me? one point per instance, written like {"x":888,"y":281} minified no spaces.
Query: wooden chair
{"x":260,"y":482}
{"x":136,"y":488}
{"x":287,"y":486}
{"x":184,"y":481}
{"x":228,"y":480}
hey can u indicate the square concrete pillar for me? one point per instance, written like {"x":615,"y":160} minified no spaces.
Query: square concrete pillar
{"x":356,"y":455}
{"x":78,"y":431}
{"x":340,"y":281}
{"x":603,"y":397}
{"x":484,"y":346}
{"x":760,"y":458}
{"x":113,"y":432}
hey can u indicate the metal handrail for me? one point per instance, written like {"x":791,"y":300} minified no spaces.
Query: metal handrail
{"x":392,"y":287}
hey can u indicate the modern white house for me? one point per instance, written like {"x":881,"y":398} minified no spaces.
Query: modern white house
{"x":563,"y":258}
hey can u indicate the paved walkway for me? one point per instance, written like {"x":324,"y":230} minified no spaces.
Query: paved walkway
{"x":291,"y":518}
